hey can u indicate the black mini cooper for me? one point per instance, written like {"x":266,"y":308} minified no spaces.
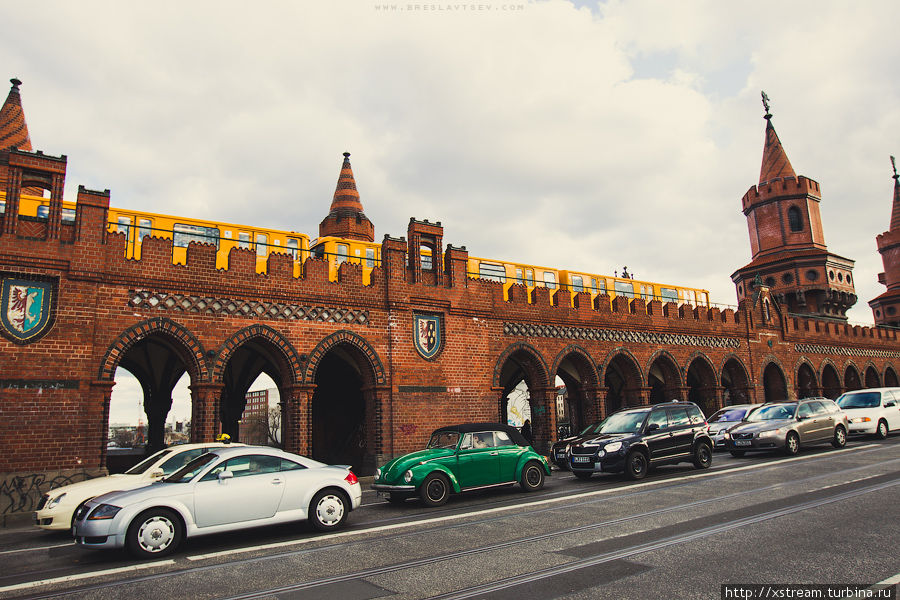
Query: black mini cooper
{"x":635,"y":439}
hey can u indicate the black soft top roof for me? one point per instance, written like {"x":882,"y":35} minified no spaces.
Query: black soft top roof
{"x":513,"y":433}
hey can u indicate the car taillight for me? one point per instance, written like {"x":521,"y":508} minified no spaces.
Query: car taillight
{"x":351,"y":478}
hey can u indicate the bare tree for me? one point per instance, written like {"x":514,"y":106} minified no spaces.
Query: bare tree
{"x":263,"y":428}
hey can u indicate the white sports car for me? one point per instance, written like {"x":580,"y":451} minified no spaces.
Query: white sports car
{"x":223,"y":490}
{"x":56,"y":509}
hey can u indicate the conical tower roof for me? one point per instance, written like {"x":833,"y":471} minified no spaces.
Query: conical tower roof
{"x":346,"y":217}
{"x":895,"y":211}
{"x":775,"y":162}
{"x":13,"y":129}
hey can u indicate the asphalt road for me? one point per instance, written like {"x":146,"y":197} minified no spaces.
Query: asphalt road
{"x":824,"y":517}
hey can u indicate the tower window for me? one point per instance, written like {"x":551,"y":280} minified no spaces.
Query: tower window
{"x":794,"y":219}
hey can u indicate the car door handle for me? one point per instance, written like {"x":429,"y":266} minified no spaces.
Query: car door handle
{"x":494,"y":453}
{"x":277,"y":481}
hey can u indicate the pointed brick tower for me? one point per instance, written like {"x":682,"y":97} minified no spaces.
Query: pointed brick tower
{"x":886,"y":307}
{"x":13,"y":129}
{"x":346,"y":218}
{"x":787,"y":241}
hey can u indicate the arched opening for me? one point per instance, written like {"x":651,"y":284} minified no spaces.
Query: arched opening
{"x":736,"y":383}
{"x":256,"y":364}
{"x":701,"y":381}
{"x":664,"y":380}
{"x":872,"y":379}
{"x":890,"y":377}
{"x":831,"y":383}
{"x":852,"y":380}
{"x":623,"y":383}
{"x":774,"y":384}
{"x":807,"y":386}
{"x":576,"y":384}
{"x":343,"y":407}
{"x":522,"y":377}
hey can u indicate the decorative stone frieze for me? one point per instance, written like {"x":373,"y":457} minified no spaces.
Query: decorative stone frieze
{"x":844,"y":351}
{"x":618,"y":335}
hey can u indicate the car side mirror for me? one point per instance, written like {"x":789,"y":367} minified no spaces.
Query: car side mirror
{"x":652,"y":427}
{"x":802,"y":417}
{"x":156,"y":473}
{"x":889,"y":404}
{"x":225,"y":476}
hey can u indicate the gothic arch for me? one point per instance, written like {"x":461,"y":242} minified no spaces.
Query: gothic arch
{"x":775,"y":385}
{"x":871,"y":379}
{"x":625,"y":353}
{"x":291,"y":360}
{"x":664,"y":377}
{"x":623,"y":379}
{"x":702,"y":382}
{"x":735,"y":379}
{"x":852,"y":377}
{"x":806,"y":382}
{"x":540,"y":375}
{"x":578,"y":372}
{"x":890,"y":376}
{"x":183,"y":341}
{"x":589,"y":374}
{"x":830,"y":376}
{"x":351,"y":339}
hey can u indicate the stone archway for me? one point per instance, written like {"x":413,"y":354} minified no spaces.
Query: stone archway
{"x":890,"y":377}
{"x":831,"y":381}
{"x":522,"y":363}
{"x":807,"y":386}
{"x":872,"y":378}
{"x":774,"y":383}
{"x":852,"y":379}
{"x":702,"y":386}
{"x":581,"y":406}
{"x":664,"y":378}
{"x":624,"y":381}
{"x":736,"y":383}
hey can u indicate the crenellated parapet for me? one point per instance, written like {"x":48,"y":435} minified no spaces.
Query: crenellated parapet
{"x":779,"y":188}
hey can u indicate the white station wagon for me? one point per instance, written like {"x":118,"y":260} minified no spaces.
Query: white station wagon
{"x":56,"y":508}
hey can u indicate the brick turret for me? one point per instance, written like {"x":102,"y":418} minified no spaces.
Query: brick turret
{"x":787,"y":240}
{"x":13,"y":129}
{"x":346,"y":218}
{"x":886,"y":307}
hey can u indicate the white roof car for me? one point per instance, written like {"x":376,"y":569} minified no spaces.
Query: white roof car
{"x":875,"y":411}
{"x":56,"y":507}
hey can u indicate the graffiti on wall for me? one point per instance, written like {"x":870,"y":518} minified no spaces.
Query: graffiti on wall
{"x":21,"y":493}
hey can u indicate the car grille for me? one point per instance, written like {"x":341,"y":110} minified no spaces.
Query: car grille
{"x":43,"y":501}
{"x":742,"y":436}
{"x":584,"y":449}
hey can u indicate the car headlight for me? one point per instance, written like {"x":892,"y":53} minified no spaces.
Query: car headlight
{"x":54,"y":501}
{"x":613,"y":447}
{"x":377,"y":473}
{"x":103,"y":512}
{"x":727,"y":436}
{"x":407,"y":477}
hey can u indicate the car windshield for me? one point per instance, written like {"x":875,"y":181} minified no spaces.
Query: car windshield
{"x":592,"y":428}
{"x":728,"y":414}
{"x":624,"y":422}
{"x":773,"y":412}
{"x":864,"y":400}
{"x":190,"y":470}
{"x":443,"y":439}
{"x":147,"y":462}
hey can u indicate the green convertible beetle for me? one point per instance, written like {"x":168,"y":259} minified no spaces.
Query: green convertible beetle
{"x":463,"y":457}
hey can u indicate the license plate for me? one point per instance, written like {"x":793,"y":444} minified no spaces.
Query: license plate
{"x":741,"y":442}
{"x":581,"y":459}
{"x":560,"y":455}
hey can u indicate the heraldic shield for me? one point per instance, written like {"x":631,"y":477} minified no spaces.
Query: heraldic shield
{"x":427,"y":335}
{"x":26,"y":308}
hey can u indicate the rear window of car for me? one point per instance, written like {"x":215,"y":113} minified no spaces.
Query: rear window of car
{"x":696,"y":414}
{"x":678,"y":416}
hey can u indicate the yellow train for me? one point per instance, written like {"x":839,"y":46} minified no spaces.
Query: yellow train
{"x":135,"y":225}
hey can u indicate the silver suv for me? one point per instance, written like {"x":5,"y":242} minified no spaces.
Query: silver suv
{"x":788,"y":426}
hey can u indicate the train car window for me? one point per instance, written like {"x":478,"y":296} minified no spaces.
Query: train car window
{"x":492,"y":271}
{"x":262,"y":244}
{"x":669,"y":294}
{"x":601,"y":286}
{"x":145,"y":228}
{"x":243,"y":240}
{"x":593,"y":284}
{"x":520,"y":277}
{"x":2,"y":206}
{"x":626,"y":288}
{"x":343,"y":253}
{"x":577,"y":283}
{"x":529,"y":277}
{"x":183,"y":234}
{"x":68,"y":214}
{"x":550,"y":279}
{"x":124,"y":224}
{"x":293,"y":245}
{"x":425,"y":254}
{"x":370,"y":257}
{"x":43,"y":211}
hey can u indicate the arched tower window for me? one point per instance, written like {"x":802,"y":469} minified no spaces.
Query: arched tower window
{"x":794,"y":219}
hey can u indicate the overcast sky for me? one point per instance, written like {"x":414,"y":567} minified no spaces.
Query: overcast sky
{"x":582,"y":135}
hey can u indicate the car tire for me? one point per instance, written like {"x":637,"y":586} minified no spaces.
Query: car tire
{"x":702,"y":455}
{"x":881,"y":430}
{"x":583,"y":474}
{"x":791,"y":444}
{"x":737,"y":453}
{"x":840,"y":437}
{"x":328,"y":510}
{"x":154,"y":533}
{"x":435,"y":490}
{"x":636,"y":465}
{"x":532,"y":476}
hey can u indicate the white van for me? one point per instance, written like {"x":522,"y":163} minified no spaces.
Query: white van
{"x":874,"y":411}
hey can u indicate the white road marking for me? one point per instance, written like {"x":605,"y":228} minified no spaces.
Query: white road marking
{"x":498,"y":509}
{"x":38,"y":548}
{"x":890,"y":580}
{"x":79,"y":576}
